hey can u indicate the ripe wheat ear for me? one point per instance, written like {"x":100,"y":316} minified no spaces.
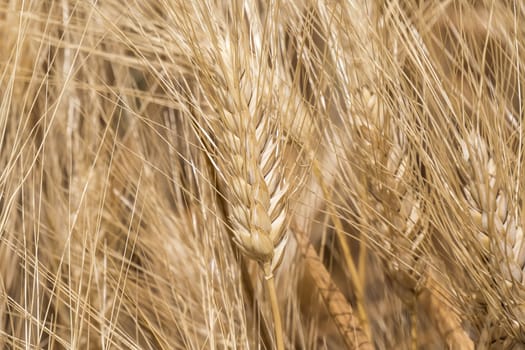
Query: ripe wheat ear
{"x":244,"y":130}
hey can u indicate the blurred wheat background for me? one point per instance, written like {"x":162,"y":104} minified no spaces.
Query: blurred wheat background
{"x":256,"y":174}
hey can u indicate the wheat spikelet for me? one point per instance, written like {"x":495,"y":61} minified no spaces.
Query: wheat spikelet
{"x":258,"y":192}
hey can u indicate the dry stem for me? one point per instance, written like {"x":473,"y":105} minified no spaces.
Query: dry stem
{"x":270,"y":287}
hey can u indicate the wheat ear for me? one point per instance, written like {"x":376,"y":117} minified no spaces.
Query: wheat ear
{"x":348,"y":325}
{"x":380,"y":185}
{"x":446,"y":320}
{"x":393,"y":209}
{"x":257,"y":195}
{"x":243,"y":129}
{"x":499,"y":230}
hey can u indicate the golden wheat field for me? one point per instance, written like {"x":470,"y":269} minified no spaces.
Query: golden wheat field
{"x":262,"y":174}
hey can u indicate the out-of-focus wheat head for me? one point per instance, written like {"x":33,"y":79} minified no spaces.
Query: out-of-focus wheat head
{"x":384,"y":171}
